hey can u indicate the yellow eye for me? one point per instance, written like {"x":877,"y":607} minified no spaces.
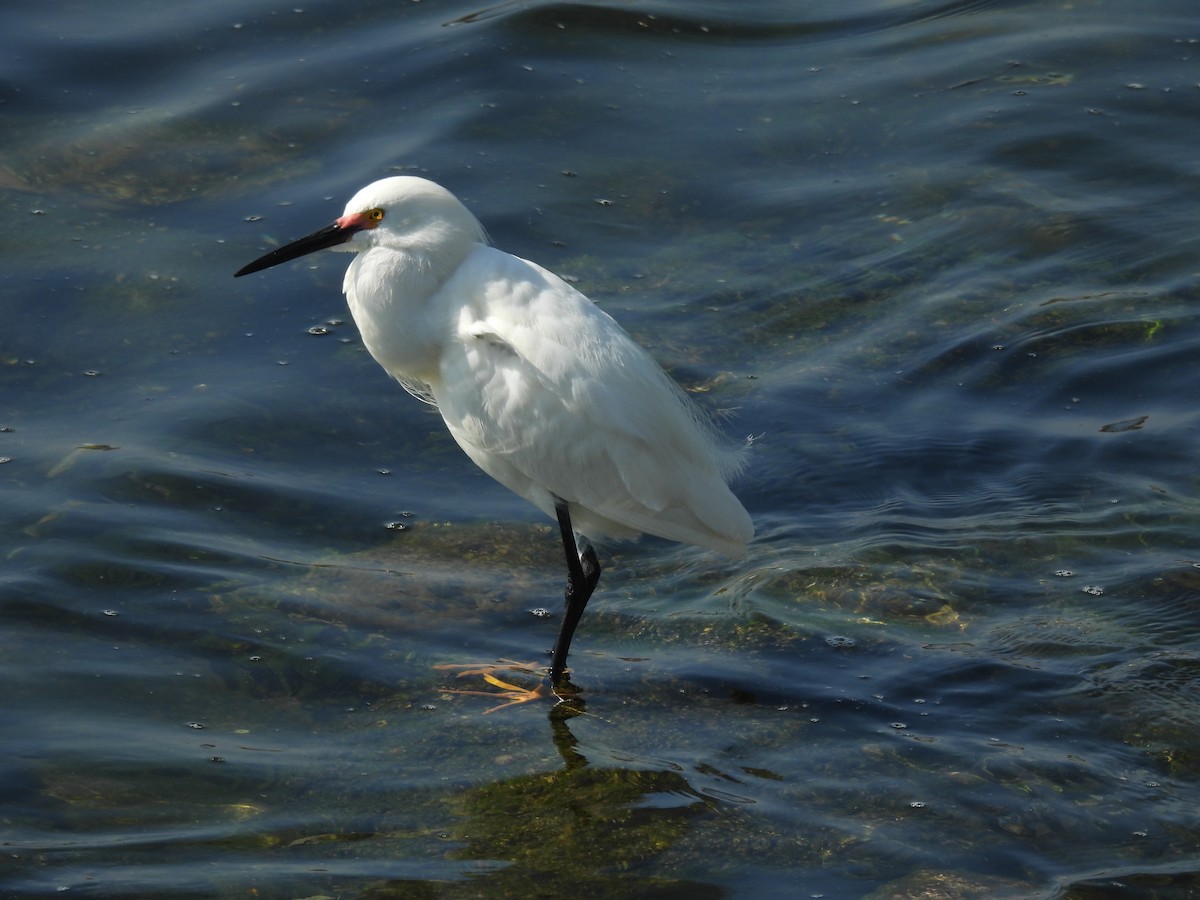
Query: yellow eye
{"x":375,"y":215}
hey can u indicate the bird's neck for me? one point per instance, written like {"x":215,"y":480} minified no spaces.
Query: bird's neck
{"x":388,"y":292}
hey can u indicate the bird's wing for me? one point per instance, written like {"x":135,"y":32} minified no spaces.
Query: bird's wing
{"x":552,"y":398}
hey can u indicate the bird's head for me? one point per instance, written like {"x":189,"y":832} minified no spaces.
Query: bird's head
{"x":403,"y":213}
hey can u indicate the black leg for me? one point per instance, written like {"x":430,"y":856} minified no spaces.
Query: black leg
{"x":583,"y":571}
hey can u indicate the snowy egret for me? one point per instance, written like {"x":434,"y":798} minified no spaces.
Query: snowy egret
{"x":543,"y":390}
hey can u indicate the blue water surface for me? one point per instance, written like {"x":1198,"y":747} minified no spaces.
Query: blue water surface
{"x":937,"y":260}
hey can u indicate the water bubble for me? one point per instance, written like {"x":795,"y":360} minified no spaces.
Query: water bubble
{"x":917,"y":804}
{"x":839,"y":642}
{"x":195,"y":726}
{"x":319,"y":330}
{"x":395,"y":526}
{"x":1094,"y":589}
{"x":1063,"y":573}
{"x":541,"y":612}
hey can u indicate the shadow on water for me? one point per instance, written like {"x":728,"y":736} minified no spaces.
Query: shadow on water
{"x":581,"y":829}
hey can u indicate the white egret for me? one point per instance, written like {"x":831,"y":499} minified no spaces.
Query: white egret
{"x":542,"y":389}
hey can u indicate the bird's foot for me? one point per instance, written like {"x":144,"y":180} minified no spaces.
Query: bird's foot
{"x":513,"y":694}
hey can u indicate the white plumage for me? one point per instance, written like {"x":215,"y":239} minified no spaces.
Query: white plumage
{"x":541,"y":388}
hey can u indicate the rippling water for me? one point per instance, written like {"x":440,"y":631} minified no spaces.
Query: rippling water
{"x":938,"y":259}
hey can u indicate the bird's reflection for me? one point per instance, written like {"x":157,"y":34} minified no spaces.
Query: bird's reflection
{"x":587,"y":828}
{"x":565,"y":742}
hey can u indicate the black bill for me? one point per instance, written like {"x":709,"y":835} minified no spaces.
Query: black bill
{"x":329,"y":236}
